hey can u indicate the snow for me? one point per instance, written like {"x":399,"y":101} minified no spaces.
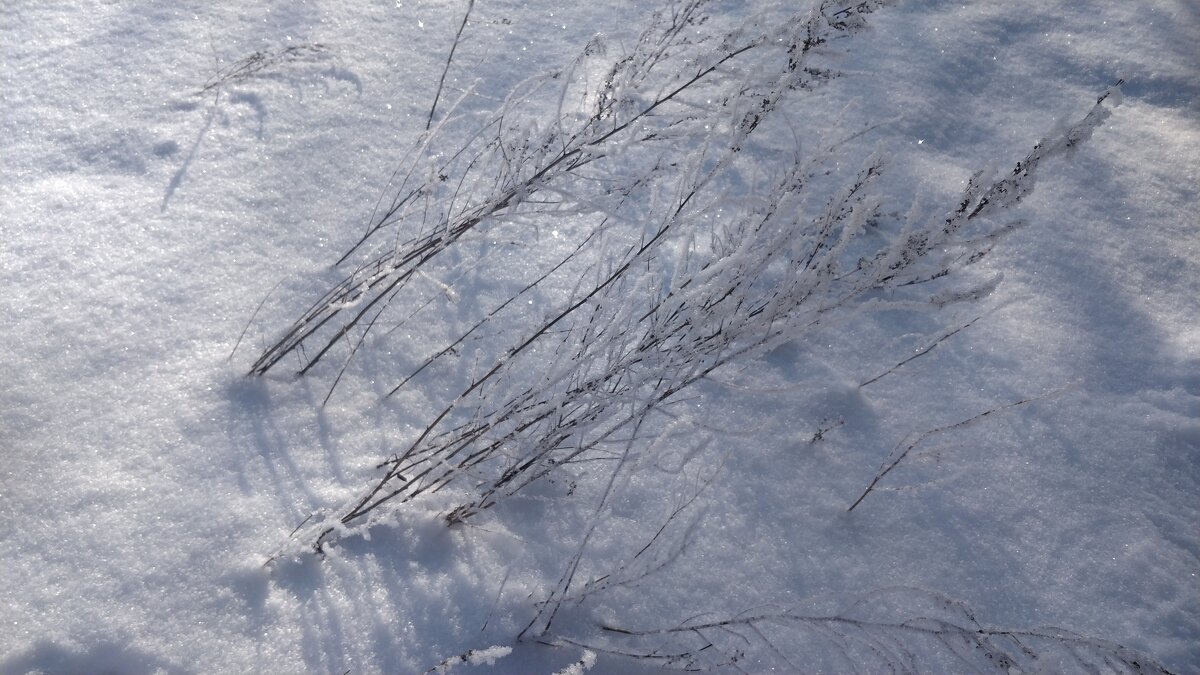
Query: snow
{"x":146,"y":479}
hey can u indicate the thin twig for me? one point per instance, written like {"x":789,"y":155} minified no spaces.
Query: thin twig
{"x":449,"y":58}
{"x":928,"y":348}
{"x":251,"y":320}
{"x":940,"y":430}
{"x":496,"y":602}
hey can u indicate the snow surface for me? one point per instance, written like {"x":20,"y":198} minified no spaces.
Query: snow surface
{"x":145,"y":479}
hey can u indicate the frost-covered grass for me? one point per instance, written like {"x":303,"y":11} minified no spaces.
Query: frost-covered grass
{"x":165,"y":168}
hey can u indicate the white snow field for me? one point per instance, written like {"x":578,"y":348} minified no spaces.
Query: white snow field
{"x":174,"y":175}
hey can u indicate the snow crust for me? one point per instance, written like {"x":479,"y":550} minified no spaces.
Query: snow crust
{"x":146,"y":480}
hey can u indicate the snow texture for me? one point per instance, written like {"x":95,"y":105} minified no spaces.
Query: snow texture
{"x":176,"y":175}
